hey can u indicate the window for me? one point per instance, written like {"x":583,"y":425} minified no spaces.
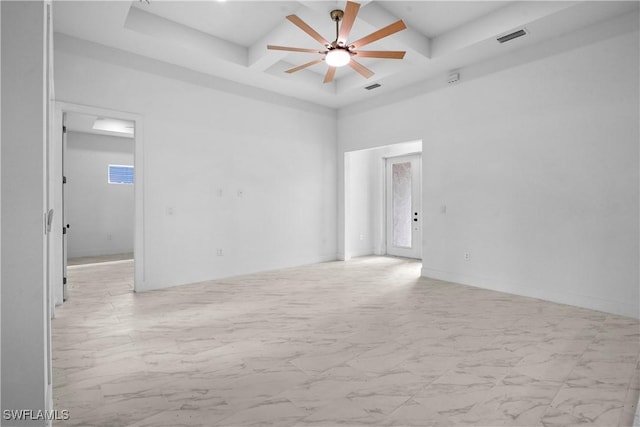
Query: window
{"x":120,"y":174}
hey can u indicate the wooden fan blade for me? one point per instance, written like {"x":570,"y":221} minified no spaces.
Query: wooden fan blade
{"x":329,"y":76}
{"x":366,"y":73}
{"x":303,"y":66}
{"x":386,"y":54}
{"x":292,"y":49}
{"x":377,"y":35}
{"x":307,"y":29}
{"x":349,"y":18}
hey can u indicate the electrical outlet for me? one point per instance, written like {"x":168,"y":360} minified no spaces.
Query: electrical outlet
{"x":361,"y":236}
{"x":467,"y":256}
{"x":109,"y":236}
{"x":219,"y":252}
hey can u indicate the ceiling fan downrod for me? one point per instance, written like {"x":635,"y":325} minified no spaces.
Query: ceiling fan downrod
{"x":336,"y":16}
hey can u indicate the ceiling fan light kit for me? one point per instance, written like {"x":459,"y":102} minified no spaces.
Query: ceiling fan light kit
{"x":338,"y":57}
{"x":340,"y":53}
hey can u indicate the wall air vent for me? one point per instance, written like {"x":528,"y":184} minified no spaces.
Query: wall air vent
{"x":511,"y":36}
{"x":373,"y":86}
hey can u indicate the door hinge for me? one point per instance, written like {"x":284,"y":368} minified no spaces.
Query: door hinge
{"x":64,"y":280}
{"x":64,"y":179}
{"x":64,"y":129}
{"x":64,"y":230}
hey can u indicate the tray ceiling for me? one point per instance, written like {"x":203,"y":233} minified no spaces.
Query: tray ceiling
{"x":228,"y":39}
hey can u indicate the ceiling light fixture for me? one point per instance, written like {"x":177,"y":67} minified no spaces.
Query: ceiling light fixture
{"x":114,"y":125}
{"x":338,"y":57}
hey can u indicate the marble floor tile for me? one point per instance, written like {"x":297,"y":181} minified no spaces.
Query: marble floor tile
{"x":180,"y":418}
{"x":545,"y":365}
{"x":413,"y":413}
{"x":276,"y":412}
{"x":511,"y":405}
{"x":344,"y":412}
{"x":585,"y":406}
{"x":357,"y":343}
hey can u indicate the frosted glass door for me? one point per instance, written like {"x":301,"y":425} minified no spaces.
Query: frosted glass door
{"x":401,"y":186}
{"x":403,"y":206}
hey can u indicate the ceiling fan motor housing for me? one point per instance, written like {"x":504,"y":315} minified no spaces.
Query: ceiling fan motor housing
{"x":337,"y":15}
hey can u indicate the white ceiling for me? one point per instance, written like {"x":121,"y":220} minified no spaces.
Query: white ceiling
{"x":228,"y":39}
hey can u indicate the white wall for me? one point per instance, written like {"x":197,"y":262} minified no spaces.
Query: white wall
{"x":203,"y":146}
{"x":101,"y":215}
{"x":24,"y":294}
{"x":538,"y":167}
{"x":361,"y":201}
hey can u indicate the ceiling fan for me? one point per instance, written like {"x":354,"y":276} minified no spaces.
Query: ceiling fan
{"x":339,"y":52}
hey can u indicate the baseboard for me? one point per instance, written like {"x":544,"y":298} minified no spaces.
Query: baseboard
{"x":329,"y":258}
{"x":147,"y":285}
{"x":361,"y":253}
{"x":584,"y":301}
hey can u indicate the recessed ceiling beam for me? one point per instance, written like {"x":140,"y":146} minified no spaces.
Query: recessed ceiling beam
{"x":354,"y":80}
{"x":326,"y":7}
{"x":411,"y":40}
{"x":259,"y":58}
{"x":186,"y":37}
{"x":513,"y":16}
{"x":285,"y":33}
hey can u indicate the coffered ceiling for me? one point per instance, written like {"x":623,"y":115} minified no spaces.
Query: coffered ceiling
{"x":228,"y":39}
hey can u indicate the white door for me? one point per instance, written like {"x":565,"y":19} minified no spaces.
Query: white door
{"x":403,"y":212}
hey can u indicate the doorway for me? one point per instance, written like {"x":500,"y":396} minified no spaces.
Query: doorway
{"x":365,"y":202}
{"x":403,"y":206}
{"x":90,"y":139}
{"x":98,"y":189}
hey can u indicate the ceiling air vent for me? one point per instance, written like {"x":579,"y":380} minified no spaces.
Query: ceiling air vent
{"x":373,"y":86}
{"x":511,"y":36}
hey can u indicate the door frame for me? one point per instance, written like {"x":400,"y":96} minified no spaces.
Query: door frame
{"x":416,"y":239}
{"x":55,"y":183}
